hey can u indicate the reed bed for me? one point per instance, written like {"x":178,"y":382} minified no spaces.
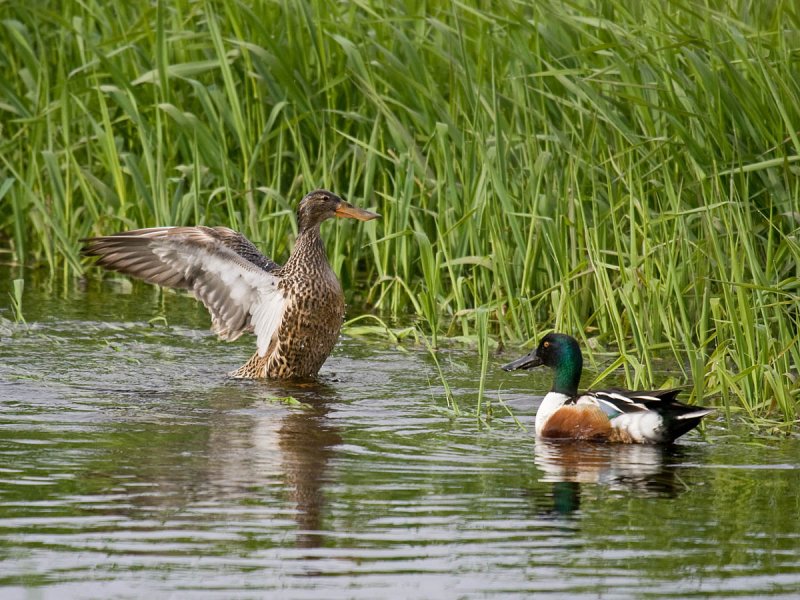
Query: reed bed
{"x":625,"y":172}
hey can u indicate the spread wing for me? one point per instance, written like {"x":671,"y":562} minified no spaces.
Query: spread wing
{"x":222,"y":268}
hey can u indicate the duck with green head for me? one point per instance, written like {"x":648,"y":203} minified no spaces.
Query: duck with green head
{"x":614,"y":415}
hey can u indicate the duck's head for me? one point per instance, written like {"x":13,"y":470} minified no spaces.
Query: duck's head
{"x":320,"y":205}
{"x":561,"y":353}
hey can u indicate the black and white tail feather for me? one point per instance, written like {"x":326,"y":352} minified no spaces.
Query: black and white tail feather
{"x":649,"y":416}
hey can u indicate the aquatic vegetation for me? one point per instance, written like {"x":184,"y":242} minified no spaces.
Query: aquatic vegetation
{"x":16,"y":300}
{"x":625,"y":173}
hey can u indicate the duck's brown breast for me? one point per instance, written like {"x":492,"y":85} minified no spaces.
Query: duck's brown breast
{"x":310,"y":325}
{"x":578,"y":422}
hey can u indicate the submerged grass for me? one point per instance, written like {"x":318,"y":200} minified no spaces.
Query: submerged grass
{"x":626,"y":172}
{"x":16,"y":300}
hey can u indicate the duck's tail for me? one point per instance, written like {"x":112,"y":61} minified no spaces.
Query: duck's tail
{"x":679,"y":422}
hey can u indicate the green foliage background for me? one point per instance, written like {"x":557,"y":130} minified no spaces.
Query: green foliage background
{"x":626,"y":172}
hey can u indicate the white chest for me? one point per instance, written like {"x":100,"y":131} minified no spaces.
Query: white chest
{"x":550,"y":404}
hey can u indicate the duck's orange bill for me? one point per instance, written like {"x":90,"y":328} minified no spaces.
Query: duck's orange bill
{"x":349,"y":211}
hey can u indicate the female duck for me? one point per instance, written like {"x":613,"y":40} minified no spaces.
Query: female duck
{"x":653,"y":417}
{"x":295,"y":310}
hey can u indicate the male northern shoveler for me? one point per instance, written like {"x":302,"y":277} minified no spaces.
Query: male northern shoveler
{"x":653,"y":417}
{"x":295,"y":310}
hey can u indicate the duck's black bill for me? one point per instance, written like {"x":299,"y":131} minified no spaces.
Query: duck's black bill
{"x":528,"y":361}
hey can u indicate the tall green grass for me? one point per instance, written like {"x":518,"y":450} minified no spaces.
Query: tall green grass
{"x":626,"y":172}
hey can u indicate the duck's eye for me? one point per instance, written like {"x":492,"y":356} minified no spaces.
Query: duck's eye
{"x":547,"y":344}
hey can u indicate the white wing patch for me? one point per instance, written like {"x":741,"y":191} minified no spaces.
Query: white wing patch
{"x":267,"y":315}
{"x":619,"y":402}
{"x":240,"y":296}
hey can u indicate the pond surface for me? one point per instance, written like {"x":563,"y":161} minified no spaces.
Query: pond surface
{"x":130,"y":466}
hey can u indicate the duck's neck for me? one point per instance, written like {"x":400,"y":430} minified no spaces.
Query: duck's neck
{"x":309,"y":251}
{"x":568,"y":376}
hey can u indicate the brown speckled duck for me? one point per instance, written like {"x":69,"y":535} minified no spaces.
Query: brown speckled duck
{"x":295,"y":310}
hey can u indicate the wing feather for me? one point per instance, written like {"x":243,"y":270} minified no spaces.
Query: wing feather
{"x":237,"y":284}
{"x":626,"y":401}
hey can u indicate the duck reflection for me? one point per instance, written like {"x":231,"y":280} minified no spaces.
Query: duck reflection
{"x":307,"y":441}
{"x":262,"y":449}
{"x":643,"y":470}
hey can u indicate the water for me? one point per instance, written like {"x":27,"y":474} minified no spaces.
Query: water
{"x":130,"y":466}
